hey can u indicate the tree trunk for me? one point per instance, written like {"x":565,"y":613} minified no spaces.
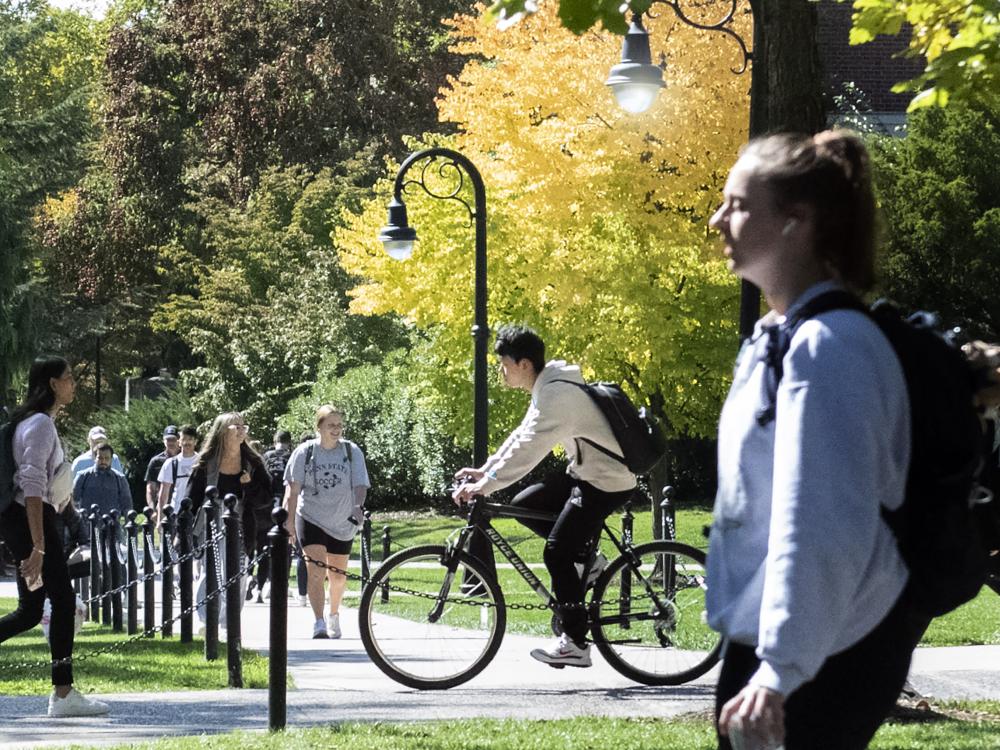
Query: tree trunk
{"x":786,"y":92}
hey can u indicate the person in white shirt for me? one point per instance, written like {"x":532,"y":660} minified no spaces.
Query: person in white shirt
{"x":805,"y":580}
{"x":592,"y":487}
{"x":174,"y":473}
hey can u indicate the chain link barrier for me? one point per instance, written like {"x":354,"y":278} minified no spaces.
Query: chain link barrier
{"x":119,"y":645}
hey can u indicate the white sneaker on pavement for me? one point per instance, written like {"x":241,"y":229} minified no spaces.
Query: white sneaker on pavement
{"x":333,"y":626}
{"x":319,"y":629}
{"x":303,"y":600}
{"x":563,"y":653}
{"x":75,"y":704}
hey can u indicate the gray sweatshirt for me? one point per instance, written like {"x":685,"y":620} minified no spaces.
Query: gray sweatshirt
{"x":800,"y":562}
{"x":558,"y":414}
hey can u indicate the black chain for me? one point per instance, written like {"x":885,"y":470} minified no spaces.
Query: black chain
{"x":119,"y":645}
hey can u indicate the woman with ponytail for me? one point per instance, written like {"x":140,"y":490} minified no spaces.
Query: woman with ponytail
{"x":805,"y":581}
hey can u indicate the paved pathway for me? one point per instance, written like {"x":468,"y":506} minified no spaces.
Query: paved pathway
{"x":335,"y":681}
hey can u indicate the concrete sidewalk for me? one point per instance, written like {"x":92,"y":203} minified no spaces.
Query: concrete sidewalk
{"x":335,"y":681}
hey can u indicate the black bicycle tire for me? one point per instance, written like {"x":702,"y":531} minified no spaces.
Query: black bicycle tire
{"x":613,"y":659}
{"x":369,"y":641}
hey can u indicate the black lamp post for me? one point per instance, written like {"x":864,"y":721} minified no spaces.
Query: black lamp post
{"x":636,"y":82}
{"x":398,"y":238}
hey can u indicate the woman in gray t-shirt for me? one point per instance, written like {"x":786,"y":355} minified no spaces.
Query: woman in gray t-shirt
{"x":325,"y":486}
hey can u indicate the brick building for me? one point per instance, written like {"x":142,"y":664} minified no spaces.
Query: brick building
{"x":872,"y":68}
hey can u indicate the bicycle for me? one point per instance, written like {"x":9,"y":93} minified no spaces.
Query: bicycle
{"x":433,"y":617}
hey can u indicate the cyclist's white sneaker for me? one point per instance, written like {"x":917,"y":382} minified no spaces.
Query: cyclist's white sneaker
{"x":563,"y":653}
{"x":333,"y":626}
{"x":319,"y":629}
{"x":303,"y":600}
{"x":75,"y":704}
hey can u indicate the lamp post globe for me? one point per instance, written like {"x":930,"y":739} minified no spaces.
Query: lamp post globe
{"x":635,"y":81}
{"x":398,"y":237}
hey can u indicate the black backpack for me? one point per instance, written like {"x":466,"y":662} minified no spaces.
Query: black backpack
{"x":7,"y":466}
{"x":275,"y":461}
{"x":937,"y":527}
{"x":638,"y":434}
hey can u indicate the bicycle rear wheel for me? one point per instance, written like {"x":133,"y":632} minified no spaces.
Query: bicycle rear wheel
{"x":429,"y":628}
{"x":650,"y":625}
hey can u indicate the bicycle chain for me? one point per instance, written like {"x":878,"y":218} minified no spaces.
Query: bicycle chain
{"x":472,"y":602}
{"x":117,"y":646}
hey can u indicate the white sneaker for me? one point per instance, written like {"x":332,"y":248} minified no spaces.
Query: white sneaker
{"x":265,"y":591}
{"x":333,"y":626}
{"x":319,"y":629}
{"x":75,"y":704}
{"x":597,"y":565}
{"x":303,"y":600}
{"x":563,"y":653}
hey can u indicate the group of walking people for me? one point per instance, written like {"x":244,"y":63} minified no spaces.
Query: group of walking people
{"x":805,"y":580}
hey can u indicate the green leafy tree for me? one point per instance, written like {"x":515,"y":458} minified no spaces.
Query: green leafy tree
{"x":938,"y":191}
{"x":958,"y":39}
{"x":45,"y":88}
{"x":268,"y":300}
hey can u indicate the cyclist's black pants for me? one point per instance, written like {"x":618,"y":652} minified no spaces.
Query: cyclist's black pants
{"x":568,"y":540}
{"x":843,"y":706}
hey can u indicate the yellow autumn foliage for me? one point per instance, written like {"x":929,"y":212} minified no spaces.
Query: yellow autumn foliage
{"x":597,"y":218}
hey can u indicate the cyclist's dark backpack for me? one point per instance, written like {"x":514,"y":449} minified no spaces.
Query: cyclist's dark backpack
{"x":639,"y":436}
{"x":937,"y":526}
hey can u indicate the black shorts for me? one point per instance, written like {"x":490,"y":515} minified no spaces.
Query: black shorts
{"x":310,"y":533}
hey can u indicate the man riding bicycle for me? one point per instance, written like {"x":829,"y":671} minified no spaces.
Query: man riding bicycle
{"x":593,"y":486}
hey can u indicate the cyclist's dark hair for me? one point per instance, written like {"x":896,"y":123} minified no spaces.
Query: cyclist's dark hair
{"x":40,"y":397}
{"x":104,"y":447}
{"x":190,"y":430}
{"x":283,"y":436}
{"x":520,"y":342}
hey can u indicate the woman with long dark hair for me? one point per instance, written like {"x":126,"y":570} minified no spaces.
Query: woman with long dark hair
{"x":43,"y":486}
{"x":229,"y":464}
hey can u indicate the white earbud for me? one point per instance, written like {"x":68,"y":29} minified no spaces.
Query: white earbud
{"x":789,"y":227}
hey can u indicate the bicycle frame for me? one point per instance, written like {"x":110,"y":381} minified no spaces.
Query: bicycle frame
{"x":480,"y":513}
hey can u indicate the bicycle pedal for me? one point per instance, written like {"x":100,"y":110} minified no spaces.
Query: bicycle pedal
{"x":558,"y":666}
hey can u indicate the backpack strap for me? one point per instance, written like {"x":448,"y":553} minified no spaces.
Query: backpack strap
{"x":779,"y":339}
{"x":606,"y":451}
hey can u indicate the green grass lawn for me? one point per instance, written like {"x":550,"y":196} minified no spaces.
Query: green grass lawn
{"x":148,"y":665}
{"x":955,"y":730}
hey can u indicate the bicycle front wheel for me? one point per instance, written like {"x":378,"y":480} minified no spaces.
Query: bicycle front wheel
{"x":428,"y":627}
{"x":648,"y":621}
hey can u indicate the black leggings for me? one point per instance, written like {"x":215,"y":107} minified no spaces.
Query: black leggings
{"x":56,"y":585}
{"x":568,"y":540}
{"x":843,"y":706}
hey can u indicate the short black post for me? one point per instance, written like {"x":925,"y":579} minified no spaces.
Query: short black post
{"x":167,"y":572}
{"x":117,"y":624}
{"x":131,"y":576}
{"x":212,"y":575}
{"x":234,"y":592}
{"x":668,"y":570}
{"x":667,"y":514}
{"x":185,"y":519}
{"x":148,"y":566}
{"x":106,"y":582}
{"x":95,"y":562}
{"x":278,"y":650}
{"x":366,"y":549}
{"x":386,"y":544}
{"x":624,"y":599}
